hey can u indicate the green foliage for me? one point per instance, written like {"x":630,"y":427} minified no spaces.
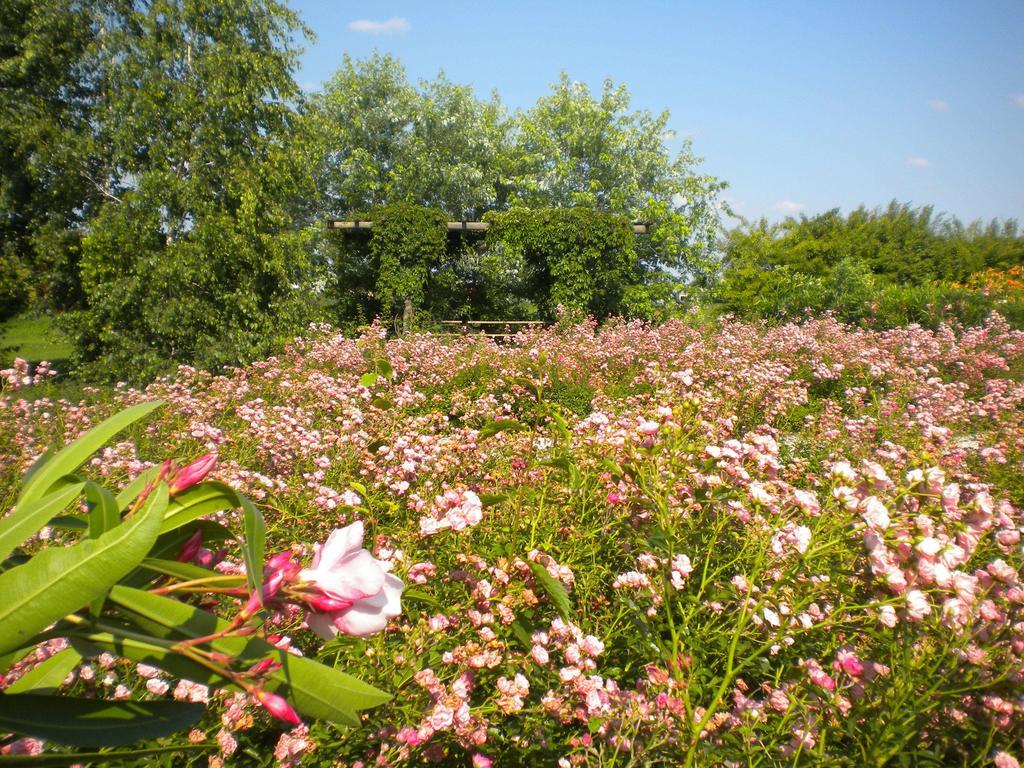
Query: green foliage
{"x":196,"y":254}
{"x":86,"y":591}
{"x":48,"y":154}
{"x":382,"y":140}
{"x":574,"y":149}
{"x":882,"y":267}
{"x":408,"y":243}
{"x":574,"y":258}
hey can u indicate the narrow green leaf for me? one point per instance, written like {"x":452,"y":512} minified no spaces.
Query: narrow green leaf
{"x":168,"y":546}
{"x":492,"y":499}
{"x":315,"y":690}
{"x":107,"y":757}
{"x":135,"y":488}
{"x":28,"y":518}
{"x":555,"y":589}
{"x":94,"y":722}
{"x":254,"y":546}
{"x":45,"y":678}
{"x":103,"y":516}
{"x":199,"y":501}
{"x":36,"y":466}
{"x":181,"y":571}
{"x":11,"y":658}
{"x":72,"y":456}
{"x":69,"y":523}
{"x":103,"y":511}
{"x":59,"y":581}
{"x":126,"y":642}
{"x":502,"y":425}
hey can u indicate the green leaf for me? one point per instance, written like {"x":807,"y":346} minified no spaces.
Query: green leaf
{"x":555,"y":589}
{"x":522,"y":635}
{"x":106,"y":757}
{"x":28,"y":518}
{"x":94,"y":722}
{"x":368,"y":379}
{"x":199,"y":501}
{"x":127,"y":642}
{"x":492,"y":499}
{"x":383,"y":403}
{"x":315,"y":690}
{"x":181,"y":571}
{"x":71,"y":457}
{"x":103,"y":510}
{"x":168,"y":545}
{"x":103,"y":516}
{"x":69,"y":523}
{"x":59,"y":581}
{"x":502,"y":425}
{"x":254,"y":546}
{"x":358,"y":488}
{"x":45,"y":678}
{"x":385,"y":369}
{"x":135,"y":488}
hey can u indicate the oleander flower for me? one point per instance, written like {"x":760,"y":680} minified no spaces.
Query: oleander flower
{"x":351,"y":590}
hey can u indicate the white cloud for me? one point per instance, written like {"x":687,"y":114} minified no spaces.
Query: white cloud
{"x":396,"y":25}
{"x":1018,"y":99}
{"x":939,"y":105}
{"x":918,"y":162}
{"x":788,"y":206}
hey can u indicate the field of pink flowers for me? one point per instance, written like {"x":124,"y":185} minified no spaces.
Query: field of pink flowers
{"x":633,"y":545}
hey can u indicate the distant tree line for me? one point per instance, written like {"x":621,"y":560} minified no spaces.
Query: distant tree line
{"x":881,"y":267}
{"x":164,"y":181}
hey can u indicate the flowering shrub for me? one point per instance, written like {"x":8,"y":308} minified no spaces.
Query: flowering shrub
{"x":116,"y":593}
{"x":755,"y":544}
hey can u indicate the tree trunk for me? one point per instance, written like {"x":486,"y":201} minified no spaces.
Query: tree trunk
{"x":407,"y":315}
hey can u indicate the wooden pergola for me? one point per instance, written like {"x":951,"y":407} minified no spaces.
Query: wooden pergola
{"x":466,"y":225}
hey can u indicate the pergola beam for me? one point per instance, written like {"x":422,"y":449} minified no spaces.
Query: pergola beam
{"x":639,"y":228}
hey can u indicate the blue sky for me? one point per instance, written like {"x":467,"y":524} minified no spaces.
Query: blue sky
{"x":800,"y":106}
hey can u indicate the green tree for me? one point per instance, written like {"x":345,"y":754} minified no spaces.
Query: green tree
{"x":48,"y":159}
{"x":197,"y":253}
{"x":575,"y":149}
{"x":383,"y":140}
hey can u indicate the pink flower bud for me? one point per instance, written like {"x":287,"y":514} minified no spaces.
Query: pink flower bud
{"x":279,"y":561}
{"x":272,"y":585}
{"x":188,"y":476}
{"x":278,"y":707}
{"x":191,"y":548}
{"x":263,"y":666}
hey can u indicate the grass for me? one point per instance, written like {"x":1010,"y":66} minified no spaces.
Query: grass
{"x":34,"y":338}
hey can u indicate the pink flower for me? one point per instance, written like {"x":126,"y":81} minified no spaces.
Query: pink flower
{"x":848,"y":662}
{"x":278,"y":707}
{"x":188,"y":476}
{"x":875,"y":514}
{"x":1005,"y":760}
{"x":361,"y":595}
{"x":917,"y":605}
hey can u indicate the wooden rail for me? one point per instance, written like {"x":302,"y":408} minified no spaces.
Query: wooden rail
{"x":639,"y":227}
{"x":464,"y":326}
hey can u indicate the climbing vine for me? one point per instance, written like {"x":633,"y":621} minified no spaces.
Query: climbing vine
{"x":578,"y":259}
{"x":407,"y":242}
